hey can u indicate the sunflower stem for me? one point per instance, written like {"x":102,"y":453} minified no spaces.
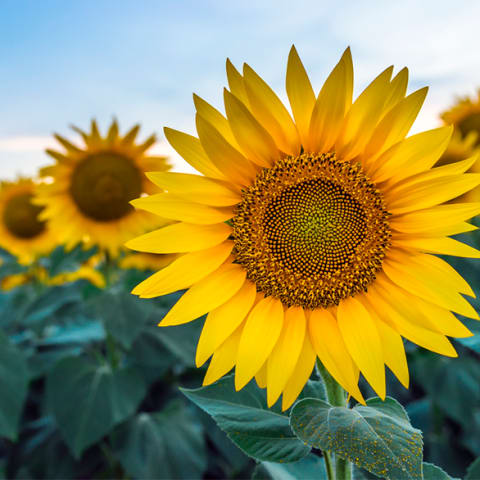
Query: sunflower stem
{"x":337,"y":397}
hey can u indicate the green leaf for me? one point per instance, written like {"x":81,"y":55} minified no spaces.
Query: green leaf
{"x":310,"y":467}
{"x":167,"y":444}
{"x":61,"y":261}
{"x":88,"y":400}
{"x":377,"y":437}
{"x":123,"y":315}
{"x":471,"y":342}
{"x":260,"y":432}
{"x":87,"y":332}
{"x":432,"y":472}
{"x":473,"y":471}
{"x":14,"y":378}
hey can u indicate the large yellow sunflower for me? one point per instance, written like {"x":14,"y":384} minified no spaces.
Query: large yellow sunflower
{"x":146,"y":261}
{"x":88,"y":198}
{"x":21,"y":231}
{"x":464,"y":115}
{"x":313,"y":235}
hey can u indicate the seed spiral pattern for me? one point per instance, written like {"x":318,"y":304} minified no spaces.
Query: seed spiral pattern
{"x":103,"y":184}
{"x":311,"y":230}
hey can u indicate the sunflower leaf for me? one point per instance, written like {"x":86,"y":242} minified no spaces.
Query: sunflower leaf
{"x":432,"y":472}
{"x":261,"y":433}
{"x":377,"y":437}
{"x":309,"y":467}
{"x":14,"y":377}
{"x":157,"y":445}
{"x":88,"y":400}
{"x":473,"y":471}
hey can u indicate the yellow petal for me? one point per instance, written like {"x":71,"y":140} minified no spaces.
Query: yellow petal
{"x":227,"y":159}
{"x":69,"y":147}
{"x":195,"y":188}
{"x":236,"y":83}
{"x":184,"y":271}
{"x":284,"y":356}
{"x":363,"y":117}
{"x":222,"y":321}
{"x":431,"y":192}
{"x":398,"y":89}
{"x":191,"y":150}
{"x":181,"y":237}
{"x":271,"y":113}
{"x":442,"y":246}
{"x":215,"y":118}
{"x":168,"y":206}
{"x":433,"y":341}
{"x":392,"y":348}
{"x":224,"y":358}
{"x":395,"y":124}
{"x":362,"y":340}
{"x":254,"y":140}
{"x":301,"y":374}
{"x":415,"y":154}
{"x":328,"y":343}
{"x":261,"y":376}
{"x":436,"y":219}
{"x":332,"y":102}
{"x":300,"y":93}
{"x":261,"y":332}
{"x":206,"y":295}
{"x":439,"y":295}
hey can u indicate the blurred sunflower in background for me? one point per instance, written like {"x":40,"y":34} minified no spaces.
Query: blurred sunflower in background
{"x":22,"y":232}
{"x":87,"y":198}
{"x":312,"y":236}
{"x":464,"y":115}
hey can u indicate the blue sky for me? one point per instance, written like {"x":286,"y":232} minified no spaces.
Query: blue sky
{"x":63,"y":62}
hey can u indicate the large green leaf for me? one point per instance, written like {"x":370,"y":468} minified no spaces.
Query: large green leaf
{"x":123,"y":315}
{"x":377,"y":437}
{"x":432,"y":472}
{"x":167,"y":444}
{"x":310,"y":467}
{"x":260,"y":432}
{"x":61,"y":261}
{"x":473,"y":471}
{"x":88,"y":400}
{"x":14,"y":377}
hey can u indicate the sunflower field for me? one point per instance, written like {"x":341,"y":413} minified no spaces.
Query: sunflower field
{"x":304,"y":306}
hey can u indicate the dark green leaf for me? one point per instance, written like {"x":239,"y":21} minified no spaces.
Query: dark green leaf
{"x":377,"y":437}
{"x":473,"y":471}
{"x":88,"y":400}
{"x":167,"y":444}
{"x":260,"y":432}
{"x":14,"y":379}
{"x":123,"y":315}
{"x":310,"y":467}
{"x":87,"y":332}
{"x":432,"y":472}
{"x":61,"y":261}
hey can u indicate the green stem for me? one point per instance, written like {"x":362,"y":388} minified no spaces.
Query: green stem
{"x":328,"y":465}
{"x":337,"y":397}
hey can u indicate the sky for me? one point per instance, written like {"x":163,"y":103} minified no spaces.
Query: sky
{"x":65,"y":62}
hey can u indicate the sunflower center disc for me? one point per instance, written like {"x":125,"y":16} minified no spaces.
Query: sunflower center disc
{"x":311,"y":230}
{"x":469,"y":123}
{"x":103,"y":185}
{"x":20,"y":217}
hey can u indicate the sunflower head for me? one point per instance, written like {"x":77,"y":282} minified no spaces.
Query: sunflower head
{"x":312,"y":232}
{"x":22,"y":232}
{"x":92,"y":185}
{"x":464,"y":115}
{"x":146,"y":261}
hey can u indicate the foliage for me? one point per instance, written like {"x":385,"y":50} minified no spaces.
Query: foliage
{"x":91,"y":387}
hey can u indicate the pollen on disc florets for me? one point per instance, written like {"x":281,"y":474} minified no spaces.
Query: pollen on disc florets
{"x":311,"y":230}
{"x":103,"y":184}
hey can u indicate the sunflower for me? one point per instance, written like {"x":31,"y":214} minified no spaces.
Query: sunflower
{"x":465,"y":116}
{"x":88,"y":197}
{"x":458,"y":149}
{"x":312,"y":236}
{"x":22,"y":233}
